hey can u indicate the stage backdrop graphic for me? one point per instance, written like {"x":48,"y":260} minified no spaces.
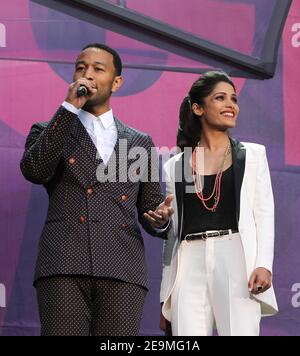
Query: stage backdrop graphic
{"x":37,"y":48}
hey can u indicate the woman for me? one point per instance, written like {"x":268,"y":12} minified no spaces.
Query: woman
{"x":218,"y":257}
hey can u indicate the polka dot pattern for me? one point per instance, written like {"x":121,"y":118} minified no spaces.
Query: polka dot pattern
{"x":91,"y":227}
{"x":82,"y":306}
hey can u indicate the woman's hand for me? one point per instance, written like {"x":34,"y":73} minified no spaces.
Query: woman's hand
{"x":260,"y":280}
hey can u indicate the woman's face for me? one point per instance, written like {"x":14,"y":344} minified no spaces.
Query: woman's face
{"x":220,"y":108}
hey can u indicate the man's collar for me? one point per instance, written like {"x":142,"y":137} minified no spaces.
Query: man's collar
{"x":89,"y":120}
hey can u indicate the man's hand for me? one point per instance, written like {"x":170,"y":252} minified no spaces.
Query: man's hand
{"x":72,"y":97}
{"x":260,"y":280}
{"x":161,"y":215}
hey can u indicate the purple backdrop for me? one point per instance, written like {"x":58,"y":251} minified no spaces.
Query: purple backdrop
{"x":33,"y":87}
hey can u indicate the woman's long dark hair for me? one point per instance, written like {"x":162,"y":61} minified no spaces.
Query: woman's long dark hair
{"x":189,"y":129}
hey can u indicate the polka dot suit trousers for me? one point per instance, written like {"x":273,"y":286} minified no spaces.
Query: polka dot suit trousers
{"x":82,"y":306}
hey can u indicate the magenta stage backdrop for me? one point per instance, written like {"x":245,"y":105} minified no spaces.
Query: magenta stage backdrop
{"x":37,"y":47}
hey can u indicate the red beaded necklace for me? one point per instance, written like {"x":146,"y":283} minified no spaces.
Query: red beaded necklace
{"x":216,"y":193}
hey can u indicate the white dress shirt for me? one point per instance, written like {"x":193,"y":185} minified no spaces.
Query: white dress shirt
{"x":102,"y":129}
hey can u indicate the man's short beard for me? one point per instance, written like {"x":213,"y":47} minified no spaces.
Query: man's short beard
{"x":95,"y":102}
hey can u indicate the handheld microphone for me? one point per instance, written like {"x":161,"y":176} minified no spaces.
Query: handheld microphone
{"x":82,"y":91}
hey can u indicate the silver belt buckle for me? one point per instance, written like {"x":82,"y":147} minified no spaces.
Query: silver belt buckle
{"x":215,"y":233}
{"x":204,"y":236}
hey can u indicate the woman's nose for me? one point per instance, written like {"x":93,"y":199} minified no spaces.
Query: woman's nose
{"x":230,"y":103}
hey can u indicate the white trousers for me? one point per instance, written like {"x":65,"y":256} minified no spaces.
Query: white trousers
{"x":212,"y":289}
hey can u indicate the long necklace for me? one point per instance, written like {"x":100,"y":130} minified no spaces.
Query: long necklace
{"x":216,"y":193}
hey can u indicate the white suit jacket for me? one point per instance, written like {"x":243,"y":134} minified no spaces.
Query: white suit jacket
{"x":254,"y":214}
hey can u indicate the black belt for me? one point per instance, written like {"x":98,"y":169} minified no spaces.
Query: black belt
{"x":205,"y":235}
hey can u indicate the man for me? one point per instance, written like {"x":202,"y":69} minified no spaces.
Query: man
{"x":90,"y":273}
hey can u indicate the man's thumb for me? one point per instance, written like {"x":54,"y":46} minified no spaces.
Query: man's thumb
{"x":169,"y":199}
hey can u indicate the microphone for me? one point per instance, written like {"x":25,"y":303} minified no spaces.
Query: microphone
{"x":82,"y":91}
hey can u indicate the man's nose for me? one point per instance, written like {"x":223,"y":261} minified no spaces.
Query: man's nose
{"x":88,"y":74}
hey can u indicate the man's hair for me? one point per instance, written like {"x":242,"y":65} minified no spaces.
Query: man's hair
{"x":116,"y":58}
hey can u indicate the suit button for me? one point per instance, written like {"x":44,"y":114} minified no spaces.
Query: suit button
{"x":90,"y":191}
{"x":82,"y":219}
{"x":72,"y":160}
{"x":124,"y":197}
{"x":137,"y":171}
{"x":124,"y":226}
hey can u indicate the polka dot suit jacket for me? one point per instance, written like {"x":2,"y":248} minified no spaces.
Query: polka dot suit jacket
{"x":91,"y":226}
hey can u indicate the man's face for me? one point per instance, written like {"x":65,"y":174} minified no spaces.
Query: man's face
{"x":96,"y":65}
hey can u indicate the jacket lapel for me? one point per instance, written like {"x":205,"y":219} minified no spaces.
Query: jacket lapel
{"x":120,"y":153}
{"x":80,"y":134}
{"x":238,"y":162}
{"x":122,"y":130}
{"x":179,"y":187}
{"x":112,"y":171}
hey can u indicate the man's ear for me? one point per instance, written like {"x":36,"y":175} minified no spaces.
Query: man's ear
{"x":117,"y":83}
{"x":197,"y":109}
